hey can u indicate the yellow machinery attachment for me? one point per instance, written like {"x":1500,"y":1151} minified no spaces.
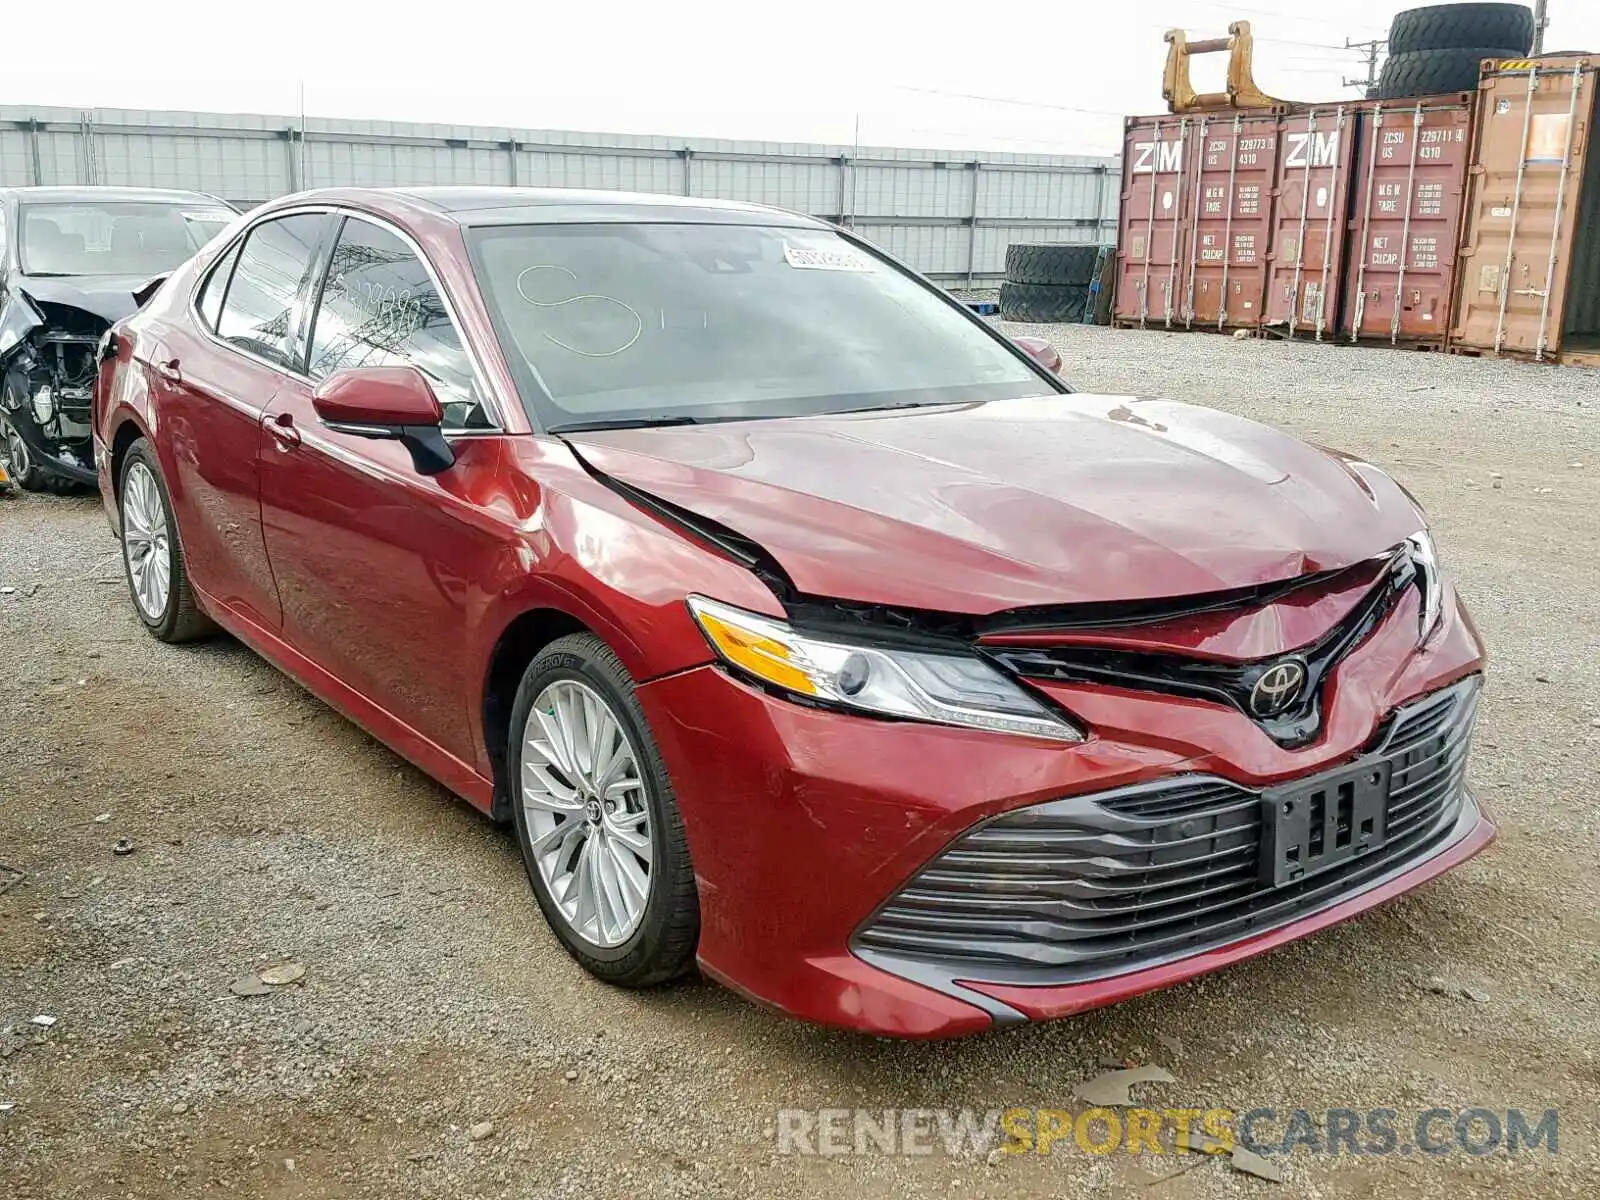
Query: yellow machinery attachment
{"x":1242,"y":90}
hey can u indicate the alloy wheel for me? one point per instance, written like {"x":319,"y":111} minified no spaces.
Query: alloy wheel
{"x":588,"y":818}
{"x":15,"y":452}
{"x":145,"y":541}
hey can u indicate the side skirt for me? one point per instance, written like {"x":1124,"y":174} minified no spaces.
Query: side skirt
{"x":460,"y":777}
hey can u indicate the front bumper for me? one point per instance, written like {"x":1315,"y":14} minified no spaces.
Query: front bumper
{"x":805,"y":825}
{"x":51,"y":456}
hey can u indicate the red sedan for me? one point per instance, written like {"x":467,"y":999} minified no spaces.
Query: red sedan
{"x":804,"y":627}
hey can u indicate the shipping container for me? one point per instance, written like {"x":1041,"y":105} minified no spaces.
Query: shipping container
{"x":1412,"y":166}
{"x":1197,"y":202}
{"x":1230,"y":220}
{"x":1155,"y":158}
{"x":1529,"y":279}
{"x":1316,"y":150}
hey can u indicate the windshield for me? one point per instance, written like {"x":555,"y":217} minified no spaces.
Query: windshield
{"x":641,"y":323}
{"x":115,"y":237}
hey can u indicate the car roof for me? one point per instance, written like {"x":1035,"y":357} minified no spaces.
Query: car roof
{"x":70,"y":195}
{"x":548,"y":206}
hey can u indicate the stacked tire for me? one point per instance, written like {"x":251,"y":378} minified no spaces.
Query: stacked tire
{"x":1048,"y":283}
{"x":1440,"y":48}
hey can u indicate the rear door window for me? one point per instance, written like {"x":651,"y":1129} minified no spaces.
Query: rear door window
{"x":265,"y":305}
{"x":380,"y":308}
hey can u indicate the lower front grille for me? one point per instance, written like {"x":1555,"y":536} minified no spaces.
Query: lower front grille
{"x":1089,"y":886}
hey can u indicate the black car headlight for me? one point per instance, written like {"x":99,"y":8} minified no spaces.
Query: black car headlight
{"x":945,"y":689}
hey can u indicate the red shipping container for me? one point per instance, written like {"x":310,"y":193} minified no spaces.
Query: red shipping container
{"x":1316,"y":150}
{"x":1229,"y":220}
{"x":1413,"y":170}
{"x":1155,"y":159}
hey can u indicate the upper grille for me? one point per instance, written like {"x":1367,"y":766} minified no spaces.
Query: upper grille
{"x":1222,"y":682}
{"x":1095,"y":885}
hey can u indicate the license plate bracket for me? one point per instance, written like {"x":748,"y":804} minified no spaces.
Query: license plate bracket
{"x":1312,"y":825}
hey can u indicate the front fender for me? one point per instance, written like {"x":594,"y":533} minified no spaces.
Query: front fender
{"x":19,"y":317}
{"x":587,"y":552}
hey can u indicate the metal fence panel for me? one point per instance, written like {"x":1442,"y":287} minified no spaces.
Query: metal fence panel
{"x":950,"y":214}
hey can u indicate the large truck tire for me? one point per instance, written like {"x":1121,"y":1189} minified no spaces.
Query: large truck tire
{"x":1463,"y":27}
{"x":1051,"y":263}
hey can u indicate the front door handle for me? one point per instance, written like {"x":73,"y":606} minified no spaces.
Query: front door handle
{"x":282,"y":430}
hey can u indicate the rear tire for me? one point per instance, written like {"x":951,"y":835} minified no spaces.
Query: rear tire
{"x":1433,"y":72}
{"x":148,"y":531}
{"x":1043,"y":304}
{"x":1458,"y":26}
{"x":621,"y":819}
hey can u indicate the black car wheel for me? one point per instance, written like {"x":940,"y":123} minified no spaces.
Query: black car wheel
{"x":25,"y":473}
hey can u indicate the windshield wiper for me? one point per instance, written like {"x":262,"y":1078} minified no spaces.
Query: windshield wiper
{"x":631,"y":423}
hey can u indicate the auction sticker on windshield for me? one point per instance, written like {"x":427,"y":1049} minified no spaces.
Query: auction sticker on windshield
{"x":808,"y":258}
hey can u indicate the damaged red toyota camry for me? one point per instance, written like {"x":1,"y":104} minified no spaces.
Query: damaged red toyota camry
{"x":804,"y":627}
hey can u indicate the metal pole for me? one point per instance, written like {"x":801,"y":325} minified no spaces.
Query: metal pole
{"x":1516,"y":211}
{"x":1561,"y":205}
{"x":1360,"y":314}
{"x":1305,"y":214}
{"x":972,"y":225}
{"x":1150,"y":229}
{"x":1327,"y":233}
{"x":38,"y":157}
{"x":1177,"y":216}
{"x":855,"y":170}
{"x":304,"y":182}
{"x":1541,"y":19}
{"x":1405,"y":229}
{"x":1227,"y":226}
{"x":1194,"y":225}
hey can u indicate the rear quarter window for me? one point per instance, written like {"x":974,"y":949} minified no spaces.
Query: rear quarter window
{"x":215,"y":286}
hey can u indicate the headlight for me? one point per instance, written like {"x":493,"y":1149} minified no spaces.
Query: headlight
{"x":1425,"y":558}
{"x":44,"y":404}
{"x":947,"y":689}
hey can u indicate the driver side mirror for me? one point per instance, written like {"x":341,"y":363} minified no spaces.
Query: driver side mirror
{"x":1041,"y":351}
{"x":392,"y":403}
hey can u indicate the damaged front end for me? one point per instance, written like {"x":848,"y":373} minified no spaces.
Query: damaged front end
{"x":47,"y":373}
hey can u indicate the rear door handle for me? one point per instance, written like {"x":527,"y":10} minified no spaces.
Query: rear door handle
{"x":282,"y":430}
{"x":169,"y":371}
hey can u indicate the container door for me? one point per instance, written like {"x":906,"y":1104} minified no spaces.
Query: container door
{"x":1523,"y":205}
{"x":1412,"y":164}
{"x":1154,"y":196}
{"x":1232,"y":193}
{"x":1309,"y":225}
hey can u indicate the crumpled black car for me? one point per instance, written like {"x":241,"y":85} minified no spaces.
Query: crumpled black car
{"x":74,"y":260}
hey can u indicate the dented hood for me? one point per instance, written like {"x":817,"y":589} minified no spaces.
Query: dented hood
{"x":109,"y":297}
{"x":1059,"y":500}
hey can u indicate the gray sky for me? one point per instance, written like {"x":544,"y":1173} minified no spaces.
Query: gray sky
{"x":914,"y":74}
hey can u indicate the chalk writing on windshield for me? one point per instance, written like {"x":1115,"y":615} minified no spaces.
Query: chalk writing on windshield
{"x":590,"y":298}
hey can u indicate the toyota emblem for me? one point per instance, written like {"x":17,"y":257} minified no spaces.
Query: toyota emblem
{"x":1278,"y":688}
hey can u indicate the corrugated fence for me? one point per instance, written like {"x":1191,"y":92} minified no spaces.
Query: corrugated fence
{"x":950,"y":214}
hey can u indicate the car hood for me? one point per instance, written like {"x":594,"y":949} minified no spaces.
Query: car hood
{"x":1052,"y":500}
{"x":109,"y":297}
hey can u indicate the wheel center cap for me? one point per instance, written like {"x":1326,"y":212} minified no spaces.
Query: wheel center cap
{"x":591,"y":810}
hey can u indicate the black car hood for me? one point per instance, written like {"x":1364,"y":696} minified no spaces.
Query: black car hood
{"x":109,"y":297}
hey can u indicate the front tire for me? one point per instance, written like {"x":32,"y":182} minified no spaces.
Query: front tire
{"x":596,"y":818}
{"x":24,"y":472}
{"x":152,"y":553}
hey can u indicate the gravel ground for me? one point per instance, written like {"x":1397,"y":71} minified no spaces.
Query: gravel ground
{"x":436,"y":1008}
